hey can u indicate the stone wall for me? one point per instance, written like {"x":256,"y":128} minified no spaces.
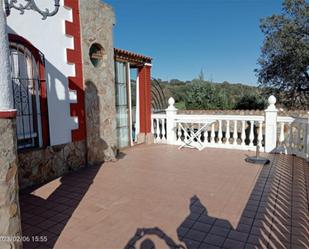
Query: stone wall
{"x":42,"y":165}
{"x":97,"y":20}
{"x":9,"y":203}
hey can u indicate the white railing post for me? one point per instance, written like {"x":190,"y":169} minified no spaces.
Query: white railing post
{"x":171,"y":113}
{"x":307,"y":139}
{"x":271,"y":125}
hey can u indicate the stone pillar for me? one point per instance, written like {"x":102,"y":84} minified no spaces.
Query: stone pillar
{"x":10,"y":224}
{"x":97,"y":20}
{"x":6,"y":96}
{"x":271,"y":125}
{"x":171,"y":113}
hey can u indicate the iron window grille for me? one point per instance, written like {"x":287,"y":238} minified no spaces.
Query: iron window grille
{"x":26,"y":92}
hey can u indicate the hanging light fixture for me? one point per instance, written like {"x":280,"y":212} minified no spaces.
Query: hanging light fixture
{"x":30,"y":5}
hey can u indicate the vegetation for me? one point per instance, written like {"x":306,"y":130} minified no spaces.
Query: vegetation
{"x":284,"y":62}
{"x":201,"y":94}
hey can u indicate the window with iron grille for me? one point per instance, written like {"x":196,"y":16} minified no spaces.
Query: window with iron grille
{"x":29,"y":94}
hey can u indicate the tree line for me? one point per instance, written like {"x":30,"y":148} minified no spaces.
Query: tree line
{"x":200,"y":94}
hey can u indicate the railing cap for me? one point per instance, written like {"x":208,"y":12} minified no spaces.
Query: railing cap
{"x":171,"y":104}
{"x":271,"y":103}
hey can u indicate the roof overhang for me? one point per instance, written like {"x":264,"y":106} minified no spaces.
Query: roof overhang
{"x":135,"y":60}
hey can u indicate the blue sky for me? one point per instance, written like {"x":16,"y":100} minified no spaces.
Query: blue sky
{"x":222,"y":37}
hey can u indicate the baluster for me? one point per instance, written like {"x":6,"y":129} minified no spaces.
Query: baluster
{"x":243,"y":133}
{"x":298,"y":142}
{"x":220,"y":132}
{"x":260,"y":136}
{"x":291,"y":138}
{"x":152,"y":129}
{"x":281,"y":136}
{"x":157,"y":128}
{"x":212,"y":135}
{"x":206,"y":135}
{"x":302,"y":138}
{"x":163,"y":131}
{"x":198,"y":128}
{"x":185,"y":127}
{"x":251,"y":136}
{"x":179,"y":132}
{"x":227,"y":132}
{"x":235,"y":133}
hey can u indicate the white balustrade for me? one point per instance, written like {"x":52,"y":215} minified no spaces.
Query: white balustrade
{"x":220,"y":132}
{"x":227,"y":132}
{"x":213,"y":134}
{"x":260,"y":135}
{"x":243,"y":133}
{"x":270,"y":132}
{"x":251,"y":136}
{"x":235,"y":136}
{"x":158,"y":124}
{"x":294,"y":139}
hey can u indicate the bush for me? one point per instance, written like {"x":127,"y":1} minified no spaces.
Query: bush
{"x":250,"y":102}
{"x":204,"y":96}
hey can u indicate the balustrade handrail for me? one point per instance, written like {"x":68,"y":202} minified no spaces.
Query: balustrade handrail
{"x":272,"y":133}
{"x":221,"y":117}
{"x":157,"y":115}
{"x":292,"y":120}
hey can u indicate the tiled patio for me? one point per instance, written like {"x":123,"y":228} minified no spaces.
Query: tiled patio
{"x":158,"y":197}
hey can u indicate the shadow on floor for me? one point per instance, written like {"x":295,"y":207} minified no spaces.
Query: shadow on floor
{"x":275,"y":216}
{"x":46,"y":218}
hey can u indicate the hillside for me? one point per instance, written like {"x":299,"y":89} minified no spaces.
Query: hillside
{"x":195,"y":94}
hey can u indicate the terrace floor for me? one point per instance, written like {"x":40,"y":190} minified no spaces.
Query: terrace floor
{"x":158,"y":197}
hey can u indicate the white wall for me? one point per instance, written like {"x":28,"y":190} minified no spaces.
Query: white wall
{"x":49,"y":37}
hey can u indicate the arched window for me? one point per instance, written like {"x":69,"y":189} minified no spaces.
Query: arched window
{"x":29,"y":91}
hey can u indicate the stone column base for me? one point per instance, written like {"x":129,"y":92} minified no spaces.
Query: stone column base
{"x":145,"y":138}
{"x":10,"y":223}
{"x":149,"y":138}
{"x":140,"y":138}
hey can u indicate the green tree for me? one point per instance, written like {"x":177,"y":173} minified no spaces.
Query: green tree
{"x":284,"y":60}
{"x":204,"y":96}
{"x":201,"y":75}
{"x":250,"y":102}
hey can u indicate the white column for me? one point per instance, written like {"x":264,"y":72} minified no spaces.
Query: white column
{"x":6,"y":90}
{"x":271,"y":125}
{"x":128,"y":75}
{"x":137,"y":108}
{"x":171,"y":113}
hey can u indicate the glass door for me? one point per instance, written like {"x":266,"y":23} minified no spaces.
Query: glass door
{"x":122,"y":106}
{"x":133,"y":76}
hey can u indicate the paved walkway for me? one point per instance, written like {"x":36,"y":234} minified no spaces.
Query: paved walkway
{"x":158,"y":197}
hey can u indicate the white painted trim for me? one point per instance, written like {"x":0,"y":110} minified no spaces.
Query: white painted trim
{"x":148,"y":64}
{"x":130,"y":103}
{"x":74,"y":123}
{"x":73,"y":96}
{"x":8,"y":110}
{"x":137,"y":118}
